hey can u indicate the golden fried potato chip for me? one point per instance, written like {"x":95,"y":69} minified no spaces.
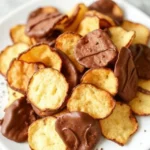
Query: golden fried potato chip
{"x":13,"y":95}
{"x":9,"y":53}
{"x":140,"y":105}
{"x":75,"y":17}
{"x":121,"y":38}
{"x":61,"y":113}
{"x":88,"y":24}
{"x":47,"y":91}
{"x":144,"y":84}
{"x":102,"y":78}
{"x":120,"y":125}
{"x":142,"y":32}
{"x":20,"y":73}
{"x":17,"y":34}
{"x":42,"y":135}
{"x":91,"y":100}
{"x":66,"y":42}
{"x":42,"y":53}
{"x":105,"y":21}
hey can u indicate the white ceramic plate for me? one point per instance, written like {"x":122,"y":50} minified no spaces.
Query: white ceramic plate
{"x":140,"y":141}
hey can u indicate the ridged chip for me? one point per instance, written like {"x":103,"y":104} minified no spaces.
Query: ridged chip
{"x":102,"y":78}
{"x":17,"y":34}
{"x":75,"y":17}
{"x":140,"y":105}
{"x":89,"y":99}
{"x":8,"y":54}
{"x":47,"y":91}
{"x":142,"y":32}
{"x":66,"y":42}
{"x":121,"y":38}
{"x":88,"y":24}
{"x":42,"y":53}
{"x":42,"y":135}
{"x":120,"y":125}
{"x":20,"y":73}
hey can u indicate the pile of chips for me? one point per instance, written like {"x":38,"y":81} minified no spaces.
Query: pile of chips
{"x":72,"y":77}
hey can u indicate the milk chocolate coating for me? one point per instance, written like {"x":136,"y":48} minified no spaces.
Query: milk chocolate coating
{"x":50,"y":39}
{"x":141,"y":57}
{"x":69,"y":71}
{"x":17,"y":119}
{"x":126,"y":73}
{"x":95,"y":50}
{"x":78,"y":130}
{"x":144,"y":91}
{"x":41,"y":24}
{"x":47,"y":112}
{"x":106,"y":7}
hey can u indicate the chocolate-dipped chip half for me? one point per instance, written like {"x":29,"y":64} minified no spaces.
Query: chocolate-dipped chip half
{"x":68,"y":70}
{"x":40,"y":23}
{"x":126,"y":73}
{"x":109,"y":8}
{"x":141,"y":57}
{"x":95,"y":50}
{"x":17,"y":119}
{"x":78,"y":130}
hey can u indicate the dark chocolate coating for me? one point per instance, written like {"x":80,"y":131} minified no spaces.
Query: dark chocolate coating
{"x":95,"y":50}
{"x":17,"y":119}
{"x":106,"y":7}
{"x":141,"y":57}
{"x":40,"y":24}
{"x":78,"y":130}
{"x":68,"y":70}
{"x":144,"y":91}
{"x":126,"y":73}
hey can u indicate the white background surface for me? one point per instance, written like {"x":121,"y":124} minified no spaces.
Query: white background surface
{"x":140,"y":141}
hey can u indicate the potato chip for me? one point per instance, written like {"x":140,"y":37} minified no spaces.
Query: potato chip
{"x":17,"y":34}
{"x":20,"y":73}
{"x":91,"y":100}
{"x":102,"y":78}
{"x":75,"y":17}
{"x":66,"y":42}
{"x":88,"y":24}
{"x":9,"y":53}
{"x":121,"y":38}
{"x":142,"y":32}
{"x":145,"y":84}
{"x":140,"y":105}
{"x":120,"y":125}
{"x":42,"y":135}
{"x":13,"y":96}
{"x":105,"y":21}
{"x":42,"y":53}
{"x":47,"y":91}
